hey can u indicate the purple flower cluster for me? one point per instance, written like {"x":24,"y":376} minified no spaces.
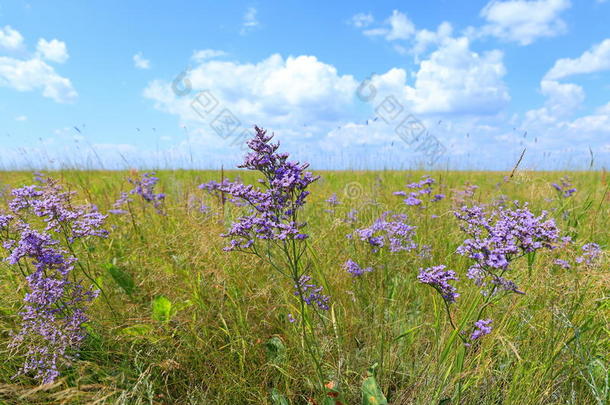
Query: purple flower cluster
{"x":310,"y":293}
{"x":145,"y":188}
{"x":396,"y":234}
{"x":481,"y":328}
{"x":420,"y":189}
{"x":333,"y":201}
{"x":354,"y":269}
{"x":54,"y":308}
{"x":55,"y":207}
{"x":562,"y":263}
{"x":439,"y":278}
{"x":498,"y":238}
{"x":565,"y":187}
{"x":591,"y":254}
{"x":274,"y":207}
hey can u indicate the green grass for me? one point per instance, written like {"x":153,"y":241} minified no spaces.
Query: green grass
{"x":549,"y":346}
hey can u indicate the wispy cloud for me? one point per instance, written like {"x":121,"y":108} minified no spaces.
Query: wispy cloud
{"x":140,"y":62}
{"x":250,"y":22}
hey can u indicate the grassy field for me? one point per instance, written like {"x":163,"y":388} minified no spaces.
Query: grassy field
{"x":181,"y":321}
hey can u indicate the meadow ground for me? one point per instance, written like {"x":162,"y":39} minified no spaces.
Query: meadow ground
{"x":181,"y":321}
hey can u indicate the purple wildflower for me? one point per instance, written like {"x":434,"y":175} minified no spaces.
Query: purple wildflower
{"x":439,"y":278}
{"x":500,"y":237}
{"x":422,"y":188}
{"x":565,"y":189}
{"x":274,"y":208}
{"x":333,"y":201}
{"x":396,"y":234}
{"x":354,"y":269}
{"x":145,"y":188}
{"x":481,"y":328}
{"x":310,"y":293}
{"x":54,"y":308}
{"x":592,"y":251}
{"x":562,"y":263}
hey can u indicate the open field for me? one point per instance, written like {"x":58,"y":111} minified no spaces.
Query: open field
{"x":180,"y":321}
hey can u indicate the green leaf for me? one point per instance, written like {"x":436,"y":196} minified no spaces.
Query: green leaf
{"x":277,"y":398}
{"x":137,"y":330}
{"x":122,"y":278}
{"x":371,"y":393}
{"x":161,"y":309}
{"x":276,"y":351}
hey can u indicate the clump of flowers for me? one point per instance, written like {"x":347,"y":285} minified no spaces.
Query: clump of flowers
{"x":53,"y":314}
{"x":310,"y":293}
{"x":498,"y":238}
{"x":145,"y":188}
{"x":393,"y":233}
{"x":564,"y":188}
{"x":420,"y":190}
{"x":481,"y":328}
{"x":274,"y":208}
{"x":439,"y":278}
{"x":354,"y":269}
{"x":272,"y":219}
{"x":591,"y":253}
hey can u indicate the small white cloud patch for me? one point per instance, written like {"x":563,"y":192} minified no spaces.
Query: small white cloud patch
{"x":140,"y":62}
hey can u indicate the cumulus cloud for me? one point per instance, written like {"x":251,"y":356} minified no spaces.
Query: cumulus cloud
{"x":35,"y":74}
{"x":140,"y":62}
{"x":53,"y":51}
{"x":10,"y":39}
{"x":283,"y":92}
{"x":596,"y":59}
{"x":524,"y":21}
{"x":452,"y":80}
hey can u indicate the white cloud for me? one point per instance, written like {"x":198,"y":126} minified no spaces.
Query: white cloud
{"x":34,"y":74}
{"x":362,"y":20}
{"x":453,"y":80}
{"x":140,"y":62}
{"x":203,"y":54}
{"x":282,"y":93}
{"x":524,"y":21}
{"x":250,"y":22}
{"x":400,"y":27}
{"x":54,"y":50}
{"x":594,"y":60}
{"x":21,"y":118}
{"x":10,"y":39}
{"x":425,"y":38}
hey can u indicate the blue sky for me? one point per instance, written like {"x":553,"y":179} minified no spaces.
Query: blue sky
{"x":92,"y":84}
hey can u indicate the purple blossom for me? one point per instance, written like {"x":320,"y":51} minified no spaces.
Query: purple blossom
{"x":395,"y":234}
{"x":354,"y":269}
{"x":333,"y":201}
{"x":439,"y":278}
{"x":592,"y":252}
{"x":422,"y":188}
{"x":273,"y":209}
{"x":565,"y":189}
{"x":481,"y":328}
{"x":54,"y":307}
{"x":310,"y":293}
{"x":562,"y":263}
{"x":145,"y":188}
{"x":500,"y":237}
